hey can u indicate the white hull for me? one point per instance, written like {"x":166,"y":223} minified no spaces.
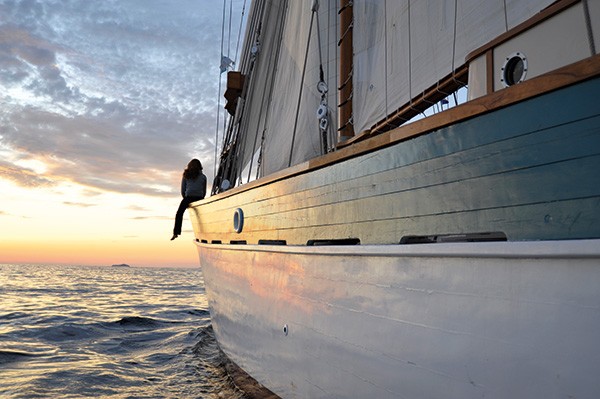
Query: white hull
{"x":462,"y":320}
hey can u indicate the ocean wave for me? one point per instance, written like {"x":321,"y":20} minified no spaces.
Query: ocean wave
{"x":13,"y":316}
{"x":199,"y":312}
{"x":142,"y":323}
{"x":181,"y":315}
{"x":10,"y":356}
{"x":205,"y":337}
{"x":66,"y":332}
{"x":137,"y":321}
{"x":123,"y":338}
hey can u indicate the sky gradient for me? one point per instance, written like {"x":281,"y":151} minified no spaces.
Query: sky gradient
{"x":103,"y":105}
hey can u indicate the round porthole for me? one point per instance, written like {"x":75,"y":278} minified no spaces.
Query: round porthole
{"x":514,"y":69}
{"x":238,"y":220}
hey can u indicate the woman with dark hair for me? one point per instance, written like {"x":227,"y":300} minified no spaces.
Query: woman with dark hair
{"x":193,"y":188}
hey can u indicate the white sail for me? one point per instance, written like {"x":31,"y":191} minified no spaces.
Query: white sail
{"x":284,"y":106}
{"x":277,"y":114}
{"x":419,"y":42}
{"x":414,"y":45}
{"x":260,"y":53}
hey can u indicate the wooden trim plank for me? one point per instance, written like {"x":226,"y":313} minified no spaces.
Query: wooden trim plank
{"x":489,"y":71}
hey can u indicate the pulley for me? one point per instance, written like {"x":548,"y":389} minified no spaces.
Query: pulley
{"x":323,"y":123}
{"x":322,"y":88}
{"x":322,"y":111}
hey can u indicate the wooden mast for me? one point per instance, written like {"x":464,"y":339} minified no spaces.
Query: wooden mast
{"x":346,"y":128}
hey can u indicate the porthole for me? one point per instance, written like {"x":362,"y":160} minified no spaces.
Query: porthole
{"x":238,"y":220}
{"x":514,"y":69}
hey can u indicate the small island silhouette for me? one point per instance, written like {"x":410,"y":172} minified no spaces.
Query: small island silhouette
{"x":121,"y":265}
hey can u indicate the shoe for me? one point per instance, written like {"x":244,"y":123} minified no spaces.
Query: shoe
{"x":174,"y":237}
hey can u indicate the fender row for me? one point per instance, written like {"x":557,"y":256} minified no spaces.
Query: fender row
{"x":409,"y":239}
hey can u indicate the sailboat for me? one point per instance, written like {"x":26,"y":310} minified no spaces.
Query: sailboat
{"x":407,"y":202}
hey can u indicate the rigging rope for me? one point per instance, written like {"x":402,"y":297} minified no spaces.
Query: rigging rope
{"x":312,"y":17}
{"x":236,"y":131}
{"x":454,"y":33}
{"x":219,"y":96}
{"x":409,"y":58}
{"x":332,"y":138}
{"x":226,"y":63}
{"x":588,"y":25}
{"x":505,"y":17}
{"x":237,"y":46}
{"x":275,"y":56}
{"x":229,"y":33}
{"x":322,"y":88}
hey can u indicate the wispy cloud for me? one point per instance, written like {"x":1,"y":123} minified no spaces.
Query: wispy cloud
{"x":80,"y":204}
{"x":22,"y":176}
{"x":137,"y":208}
{"x":111,"y":95}
{"x":151,"y":218}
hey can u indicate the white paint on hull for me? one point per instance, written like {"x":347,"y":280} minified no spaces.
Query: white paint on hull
{"x":469,"y":320}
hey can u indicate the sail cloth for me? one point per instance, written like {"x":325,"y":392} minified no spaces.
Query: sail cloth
{"x":402,"y":48}
{"x":262,"y":41}
{"x":280,"y":140}
{"x":281,"y":28}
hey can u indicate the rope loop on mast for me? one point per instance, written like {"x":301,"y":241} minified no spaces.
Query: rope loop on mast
{"x":348,"y":79}
{"x":349,"y":4}
{"x":348,"y":29}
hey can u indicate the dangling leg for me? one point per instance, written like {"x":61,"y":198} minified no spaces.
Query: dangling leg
{"x":179,"y":217}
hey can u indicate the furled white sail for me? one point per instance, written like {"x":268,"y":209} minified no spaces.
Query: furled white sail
{"x":419,"y":42}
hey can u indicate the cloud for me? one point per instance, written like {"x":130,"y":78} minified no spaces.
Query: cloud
{"x":111,"y":95}
{"x":151,"y":218}
{"x":23,"y":177}
{"x":79,"y":204}
{"x":137,"y":208}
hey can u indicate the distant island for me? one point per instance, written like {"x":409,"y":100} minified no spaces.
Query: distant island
{"x":121,"y":265}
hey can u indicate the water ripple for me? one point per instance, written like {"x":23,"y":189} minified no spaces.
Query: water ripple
{"x":78,"y":332}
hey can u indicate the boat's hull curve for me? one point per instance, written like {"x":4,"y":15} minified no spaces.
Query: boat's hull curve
{"x":468,"y":320}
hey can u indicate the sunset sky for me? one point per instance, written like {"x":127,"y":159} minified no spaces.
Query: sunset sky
{"x":103,"y":105}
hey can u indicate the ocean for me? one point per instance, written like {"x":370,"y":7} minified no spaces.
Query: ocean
{"x":108,"y":332}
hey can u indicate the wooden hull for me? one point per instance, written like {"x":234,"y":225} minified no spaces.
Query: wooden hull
{"x":466,"y":320}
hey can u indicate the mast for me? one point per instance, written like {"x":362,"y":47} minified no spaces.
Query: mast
{"x":346,"y":128}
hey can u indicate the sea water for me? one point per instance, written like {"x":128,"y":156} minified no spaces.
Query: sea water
{"x":110,"y":332}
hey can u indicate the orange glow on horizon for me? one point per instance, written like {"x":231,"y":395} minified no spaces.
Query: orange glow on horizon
{"x":51,"y":226}
{"x":180,"y":253}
